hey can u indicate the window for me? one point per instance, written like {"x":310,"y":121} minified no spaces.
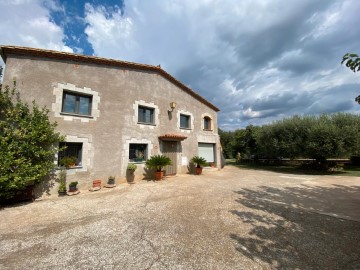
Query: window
{"x":207,"y":123}
{"x":72,"y":151}
{"x":145,"y":115}
{"x":137,"y":152}
{"x":184,"y":121}
{"x":76,"y":103}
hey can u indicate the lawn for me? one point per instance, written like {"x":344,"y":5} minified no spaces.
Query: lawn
{"x":349,"y":170}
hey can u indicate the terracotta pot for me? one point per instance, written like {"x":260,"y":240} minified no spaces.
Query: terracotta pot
{"x":159,"y":175}
{"x":96,"y":183}
{"x":198,"y":170}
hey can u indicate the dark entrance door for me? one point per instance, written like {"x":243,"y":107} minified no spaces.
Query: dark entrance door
{"x":170,"y":150}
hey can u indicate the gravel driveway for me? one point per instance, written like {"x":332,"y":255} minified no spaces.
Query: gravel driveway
{"x":231,"y":219}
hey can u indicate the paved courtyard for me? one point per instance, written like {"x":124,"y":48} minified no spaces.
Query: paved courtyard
{"x":231,"y":219}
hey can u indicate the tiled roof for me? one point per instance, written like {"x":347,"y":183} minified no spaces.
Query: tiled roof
{"x":6,"y":50}
{"x":170,"y":136}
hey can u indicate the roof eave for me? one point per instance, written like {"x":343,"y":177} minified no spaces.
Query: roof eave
{"x":4,"y":50}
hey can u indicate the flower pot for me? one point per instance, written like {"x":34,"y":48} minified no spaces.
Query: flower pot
{"x":62,"y":192}
{"x":96,"y":183}
{"x":130,"y":176}
{"x":198,"y":170}
{"x":72,"y":188}
{"x":111,"y":182}
{"x":159,"y":175}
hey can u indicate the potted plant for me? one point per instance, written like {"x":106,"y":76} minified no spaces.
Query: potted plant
{"x":199,"y":161}
{"x":111,"y":180}
{"x":139,"y":156}
{"x":72,"y":186}
{"x":68,"y":162}
{"x":131,"y":168}
{"x":158,"y":162}
{"x":62,"y":186}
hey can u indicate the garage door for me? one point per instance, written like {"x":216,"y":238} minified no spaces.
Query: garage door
{"x":206,"y":150}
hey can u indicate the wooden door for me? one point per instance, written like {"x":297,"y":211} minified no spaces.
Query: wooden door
{"x":170,"y":150}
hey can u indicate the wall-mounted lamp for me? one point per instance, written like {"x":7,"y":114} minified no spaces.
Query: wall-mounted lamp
{"x":172,"y":105}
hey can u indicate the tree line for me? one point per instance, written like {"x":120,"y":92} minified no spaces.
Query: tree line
{"x":316,"y":137}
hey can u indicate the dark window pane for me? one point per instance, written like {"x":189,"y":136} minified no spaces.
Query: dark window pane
{"x":69,"y":103}
{"x":78,"y":104}
{"x":184,"y":121}
{"x":84,"y":105}
{"x":207,"y":123}
{"x":145,"y":115}
{"x":71,"y":150}
{"x":137,"y":152}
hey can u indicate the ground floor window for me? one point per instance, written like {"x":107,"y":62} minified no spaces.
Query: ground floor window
{"x":72,"y":154}
{"x":137,"y":152}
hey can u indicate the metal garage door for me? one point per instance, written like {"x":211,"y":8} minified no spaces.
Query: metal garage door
{"x":206,"y":150}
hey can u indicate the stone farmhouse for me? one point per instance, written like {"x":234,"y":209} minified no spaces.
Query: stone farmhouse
{"x":115,"y":112}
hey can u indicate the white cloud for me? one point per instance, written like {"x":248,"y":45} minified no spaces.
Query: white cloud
{"x":258,"y":60}
{"x":27,"y":23}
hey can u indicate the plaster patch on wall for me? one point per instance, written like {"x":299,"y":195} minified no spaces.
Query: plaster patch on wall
{"x":57,"y":105}
{"x":145,"y":104}
{"x":207,"y":138}
{"x":191,"y":121}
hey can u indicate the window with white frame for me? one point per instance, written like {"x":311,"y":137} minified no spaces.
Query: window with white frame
{"x":137,"y":152}
{"x":185,"y":121}
{"x":146,"y":115}
{"x":70,"y":151}
{"x":207,"y":123}
{"x":75,"y":103}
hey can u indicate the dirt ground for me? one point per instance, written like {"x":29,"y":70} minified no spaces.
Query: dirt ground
{"x":229,"y":219}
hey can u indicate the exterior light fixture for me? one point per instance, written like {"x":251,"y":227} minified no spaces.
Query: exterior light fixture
{"x":172,"y":105}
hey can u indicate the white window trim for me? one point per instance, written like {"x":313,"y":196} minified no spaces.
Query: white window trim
{"x":149,"y":105}
{"x":211,"y":122}
{"x":185,"y":130}
{"x":57,"y":105}
{"x":87,"y":153}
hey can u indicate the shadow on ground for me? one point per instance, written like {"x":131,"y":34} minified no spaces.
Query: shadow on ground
{"x":287,"y":232}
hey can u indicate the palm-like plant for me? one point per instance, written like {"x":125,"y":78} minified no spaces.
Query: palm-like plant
{"x":199,"y":161}
{"x":158,"y":162}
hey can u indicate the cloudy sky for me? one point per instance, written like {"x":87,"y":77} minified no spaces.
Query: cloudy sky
{"x":257,"y":60}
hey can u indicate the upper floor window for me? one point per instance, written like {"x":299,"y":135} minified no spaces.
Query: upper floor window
{"x":184,"y":121}
{"x":207,"y":123}
{"x":146,"y":115}
{"x":76,"y":103}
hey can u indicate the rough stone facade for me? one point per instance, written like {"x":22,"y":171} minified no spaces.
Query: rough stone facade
{"x":116,"y":90}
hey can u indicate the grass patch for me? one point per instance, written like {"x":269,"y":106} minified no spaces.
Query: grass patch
{"x":349,"y":170}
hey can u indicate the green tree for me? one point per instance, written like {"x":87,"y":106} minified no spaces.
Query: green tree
{"x":352,"y":61}
{"x":326,"y":136}
{"x":28,"y":143}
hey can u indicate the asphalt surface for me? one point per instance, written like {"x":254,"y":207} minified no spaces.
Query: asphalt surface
{"x":231,"y":219}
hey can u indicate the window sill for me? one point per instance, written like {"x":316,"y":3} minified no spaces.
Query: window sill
{"x":148,"y":124}
{"x":185,"y":128}
{"x":76,"y":115}
{"x":207,"y":129}
{"x":137,"y":162}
